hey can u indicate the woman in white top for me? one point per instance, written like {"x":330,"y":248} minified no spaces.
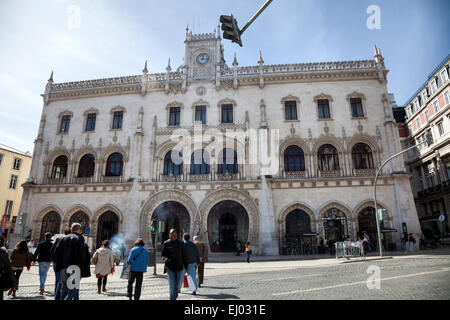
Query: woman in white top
{"x":104,"y":264}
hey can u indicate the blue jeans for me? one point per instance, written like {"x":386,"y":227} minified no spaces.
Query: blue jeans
{"x":176,"y":279}
{"x":58,"y":284}
{"x":192,"y":271}
{"x":66,"y":293}
{"x":43,"y":269}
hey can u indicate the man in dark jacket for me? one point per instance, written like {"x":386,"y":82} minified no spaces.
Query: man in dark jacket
{"x":193,"y":260}
{"x":58,"y":284}
{"x":203,"y":251}
{"x":72,"y":251}
{"x":43,"y":256}
{"x":174,"y":252}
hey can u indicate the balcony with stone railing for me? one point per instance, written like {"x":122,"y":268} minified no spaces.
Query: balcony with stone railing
{"x":364,"y":172}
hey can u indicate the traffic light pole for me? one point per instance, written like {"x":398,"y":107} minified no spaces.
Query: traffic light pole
{"x":428,"y":141}
{"x":255,"y":16}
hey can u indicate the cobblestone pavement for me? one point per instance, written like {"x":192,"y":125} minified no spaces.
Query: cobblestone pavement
{"x":425,"y":276}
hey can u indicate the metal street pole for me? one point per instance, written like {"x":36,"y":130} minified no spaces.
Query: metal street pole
{"x":255,"y":16}
{"x":428,"y":141}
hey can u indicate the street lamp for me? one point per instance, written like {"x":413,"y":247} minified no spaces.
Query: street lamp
{"x":428,"y":141}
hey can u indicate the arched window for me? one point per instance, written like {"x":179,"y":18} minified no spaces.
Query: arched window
{"x":200,"y":162}
{"x":328,"y":158}
{"x":86,"y":167}
{"x":227,"y":161}
{"x":294,"y":159}
{"x":59,"y":169}
{"x":114,"y":165}
{"x":362,"y":156}
{"x":173,"y":164}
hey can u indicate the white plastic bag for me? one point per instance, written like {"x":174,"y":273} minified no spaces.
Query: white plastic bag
{"x":191,"y":283}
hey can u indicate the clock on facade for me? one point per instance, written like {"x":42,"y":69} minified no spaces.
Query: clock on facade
{"x":202,"y":58}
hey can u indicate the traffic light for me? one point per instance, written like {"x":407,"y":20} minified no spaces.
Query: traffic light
{"x":230,"y":29}
{"x":154,"y":224}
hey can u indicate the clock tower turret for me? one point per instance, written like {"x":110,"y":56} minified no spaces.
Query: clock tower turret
{"x":203,"y":54}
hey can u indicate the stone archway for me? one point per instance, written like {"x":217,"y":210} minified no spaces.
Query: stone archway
{"x":336,"y":213}
{"x":242,"y":199}
{"x":366,"y":222}
{"x":285,"y":212}
{"x":95,"y":219}
{"x":175,"y":216}
{"x":37,"y":222}
{"x":75,"y":210}
{"x":227,"y":223}
{"x":165,"y":196}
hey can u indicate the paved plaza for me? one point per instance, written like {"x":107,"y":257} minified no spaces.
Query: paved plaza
{"x":413,"y":276}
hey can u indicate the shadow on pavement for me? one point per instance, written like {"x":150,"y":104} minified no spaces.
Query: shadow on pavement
{"x":38,"y":297}
{"x":211,"y":287}
{"x":219,"y":296}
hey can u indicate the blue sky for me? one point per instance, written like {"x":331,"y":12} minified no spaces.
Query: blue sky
{"x":115,"y":37}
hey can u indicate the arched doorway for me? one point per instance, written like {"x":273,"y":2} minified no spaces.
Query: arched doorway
{"x":50,"y":223}
{"x":367,"y":223}
{"x":108,"y":226}
{"x":334,"y":224}
{"x":175,"y":216}
{"x":227,"y":223}
{"x":81,"y":218}
{"x":298,"y":223}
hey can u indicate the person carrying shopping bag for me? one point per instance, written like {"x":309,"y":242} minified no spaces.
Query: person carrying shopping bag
{"x":103,"y":260}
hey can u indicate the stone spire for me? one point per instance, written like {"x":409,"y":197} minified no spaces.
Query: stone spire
{"x":261,"y":70}
{"x":260,"y":61}
{"x":168,"y":68}
{"x":145,"y":70}
{"x":50,"y":80}
{"x":235,"y":63}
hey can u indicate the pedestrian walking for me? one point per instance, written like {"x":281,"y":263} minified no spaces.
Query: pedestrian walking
{"x":7,"y":278}
{"x":43,"y":256}
{"x":103,"y":260}
{"x":122,"y":252}
{"x":193,"y":260}
{"x":238,"y":248}
{"x":331,"y":246}
{"x":58,"y":283}
{"x":248,"y":251}
{"x":31,"y":249}
{"x":20,"y":258}
{"x":203,"y":251}
{"x":138,"y":261}
{"x":366,"y":240}
{"x":71,"y":250}
{"x":412,"y":242}
{"x":175,"y":263}
{"x":404,"y":241}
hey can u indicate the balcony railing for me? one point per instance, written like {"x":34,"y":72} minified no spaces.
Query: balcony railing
{"x":364,"y":172}
{"x":329,"y":173}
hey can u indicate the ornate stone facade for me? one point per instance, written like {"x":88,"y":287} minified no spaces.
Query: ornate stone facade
{"x":143,"y":105}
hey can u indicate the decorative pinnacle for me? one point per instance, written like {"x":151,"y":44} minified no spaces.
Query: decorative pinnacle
{"x":168,"y":68}
{"x":235,"y":63}
{"x":260,"y":61}
{"x":145,"y":70}
{"x":51,"y":77}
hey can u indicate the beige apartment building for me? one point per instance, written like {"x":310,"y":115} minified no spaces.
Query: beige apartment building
{"x":14,"y":170}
